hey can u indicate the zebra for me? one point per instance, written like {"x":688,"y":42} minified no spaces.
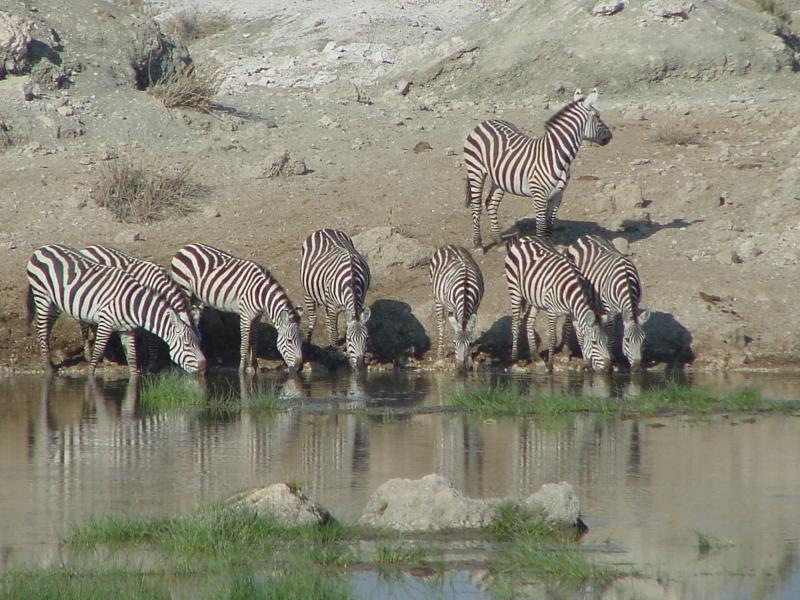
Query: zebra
{"x":457,"y":290}
{"x":539,"y":277}
{"x":336,"y":276}
{"x":227,"y":283}
{"x":534,"y":167}
{"x":147,"y":273}
{"x":60,"y":279}
{"x":616,"y":282}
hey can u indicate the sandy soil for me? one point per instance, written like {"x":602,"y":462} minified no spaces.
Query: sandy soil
{"x":701,"y":184}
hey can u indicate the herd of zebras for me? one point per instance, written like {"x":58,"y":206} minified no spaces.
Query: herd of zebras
{"x":590,"y":282}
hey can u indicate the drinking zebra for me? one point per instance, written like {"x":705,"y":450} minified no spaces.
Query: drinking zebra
{"x":526,"y":166}
{"x":457,"y":290}
{"x":147,"y":273}
{"x":60,"y":279}
{"x":538,"y":277}
{"x":615,"y":281}
{"x":336,"y":276}
{"x":227,"y":283}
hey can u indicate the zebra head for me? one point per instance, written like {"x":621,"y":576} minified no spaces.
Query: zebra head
{"x":594,"y":343}
{"x":462,"y":338}
{"x":290,"y":341}
{"x":184,"y":345}
{"x":595,"y":130}
{"x":356,"y":337}
{"x":633,"y":337}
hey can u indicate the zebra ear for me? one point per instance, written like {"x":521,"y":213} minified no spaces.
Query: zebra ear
{"x":453,"y":323}
{"x":365,"y":314}
{"x":577,"y":95}
{"x":590,"y":99}
{"x":299,"y":311}
{"x":473,"y":320}
{"x":348,"y":315}
{"x":591,"y":319}
{"x":283,"y":319}
{"x":644,"y":314}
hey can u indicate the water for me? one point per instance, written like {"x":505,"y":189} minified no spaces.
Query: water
{"x":72,"y":447}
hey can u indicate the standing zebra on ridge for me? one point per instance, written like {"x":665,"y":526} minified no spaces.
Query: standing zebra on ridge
{"x":457,"y":290}
{"x":615,"y":281}
{"x":222,"y":281}
{"x":60,"y":279}
{"x":538,"y":277}
{"x":526,"y":166}
{"x":336,"y":276}
{"x":147,"y":273}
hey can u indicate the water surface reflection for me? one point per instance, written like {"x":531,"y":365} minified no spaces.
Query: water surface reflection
{"x":70,"y":448}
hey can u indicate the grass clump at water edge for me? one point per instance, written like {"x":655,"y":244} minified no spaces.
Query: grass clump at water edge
{"x":670,"y":399}
{"x":170,"y":391}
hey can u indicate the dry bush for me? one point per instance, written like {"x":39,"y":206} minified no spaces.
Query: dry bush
{"x":191,"y":87}
{"x":137,"y":194}
{"x":676,"y":137}
{"x":189,"y":26}
{"x":775,"y":8}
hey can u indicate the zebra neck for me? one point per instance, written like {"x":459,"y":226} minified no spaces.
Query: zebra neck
{"x":565,"y":135}
{"x":150,"y":312}
{"x":272,"y":299}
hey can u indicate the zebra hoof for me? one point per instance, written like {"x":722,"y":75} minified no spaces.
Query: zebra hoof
{"x":478,"y":250}
{"x":501,"y":248}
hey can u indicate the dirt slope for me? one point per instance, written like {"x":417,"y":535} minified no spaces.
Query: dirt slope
{"x":701,"y":183}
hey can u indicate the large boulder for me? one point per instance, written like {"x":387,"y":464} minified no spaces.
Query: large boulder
{"x":15,"y":37}
{"x":558,"y":502}
{"x":427,"y":504}
{"x":282,"y":502}
{"x":385,"y":247}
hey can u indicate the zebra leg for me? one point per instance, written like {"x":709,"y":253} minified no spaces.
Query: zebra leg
{"x":100,"y":342}
{"x":516,"y":318}
{"x":533,"y":344}
{"x":311,"y":316}
{"x":86,"y":331}
{"x":129,"y":344}
{"x":45,"y":318}
{"x":440,"y":317}
{"x":492,"y":204}
{"x":246,"y":354}
{"x":540,"y":211}
{"x":331,"y":322}
{"x":474,"y":192}
{"x":553,"y":204}
{"x":551,"y":339}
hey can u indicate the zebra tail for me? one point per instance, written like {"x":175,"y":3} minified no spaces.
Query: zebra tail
{"x":466,"y":190}
{"x":30,"y":306}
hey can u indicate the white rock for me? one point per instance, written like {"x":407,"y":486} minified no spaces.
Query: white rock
{"x":15,"y":36}
{"x":559,"y":502}
{"x":606,"y":9}
{"x":285,"y":504}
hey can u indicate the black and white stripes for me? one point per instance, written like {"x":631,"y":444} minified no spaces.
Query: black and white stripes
{"x":538,"y":277}
{"x":336,"y":276}
{"x":222,"y":281}
{"x":615,"y":280}
{"x":60,"y":279}
{"x":457,"y":291}
{"x":534,"y":167}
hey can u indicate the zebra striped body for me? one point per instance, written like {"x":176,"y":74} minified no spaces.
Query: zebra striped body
{"x":534,"y":167}
{"x":539,"y":278}
{"x":615,"y":281}
{"x":336,"y":277}
{"x":60,"y":279}
{"x":147,"y":273}
{"x":457,"y":291}
{"x":222,"y":281}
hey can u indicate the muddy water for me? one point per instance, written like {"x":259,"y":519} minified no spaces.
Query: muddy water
{"x":70,"y":448}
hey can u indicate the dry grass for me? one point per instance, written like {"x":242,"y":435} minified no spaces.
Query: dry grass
{"x":189,"y":26}
{"x":776,"y":8}
{"x":676,"y":137}
{"x":192,"y":87}
{"x":135,"y":193}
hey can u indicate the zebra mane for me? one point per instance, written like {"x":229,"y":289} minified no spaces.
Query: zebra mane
{"x":567,"y":108}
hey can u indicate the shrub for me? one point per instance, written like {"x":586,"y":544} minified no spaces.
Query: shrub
{"x":190,"y":87}
{"x":189,"y":26}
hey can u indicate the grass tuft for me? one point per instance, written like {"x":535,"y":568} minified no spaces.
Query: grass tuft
{"x":707,"y":542}
{"x":192,"y":87}
{"x":397,"y":553}
{"x":66,"y":584}
{"x":514,"y":521}
{"x":189,"y":26}
{"x":289,"y":585}
{"x":677,"y":137}
{"x":170,"y":391}
{"x":135,"y":193}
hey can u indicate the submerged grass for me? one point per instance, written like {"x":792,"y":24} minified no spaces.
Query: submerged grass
{"x":169,"y":391}
{"x":671,"y":399}
{"x":706,"y":542}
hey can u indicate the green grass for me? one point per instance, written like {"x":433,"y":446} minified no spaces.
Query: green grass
{"x":398,"y":553}
{"x":66,"y":584}
{"x":290,"y":585}
{"x":707,"y":542}
{"x":497,"y":401}
{"x":513,"y":521}
{"x":170,"y":391}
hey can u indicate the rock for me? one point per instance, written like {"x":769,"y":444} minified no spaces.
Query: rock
{"x":281,"y":165}
{"x":403,"y":87}
{"x":282,"y":502}
{"x":427,"y":504}
{"x":65,"y":111}
{"x":298,"y":167}
{"x":422,"y":147}
{"x":27,"y":91}
{"x":211,"y":212}
{"x":669,"y":9}
{"x":606,"y":9}
{"x":727,"y":257}
{"x":386,"y":247}
{"x":153,"y":55}
{"x":558,"y":501}
{"x":15,"y":38}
